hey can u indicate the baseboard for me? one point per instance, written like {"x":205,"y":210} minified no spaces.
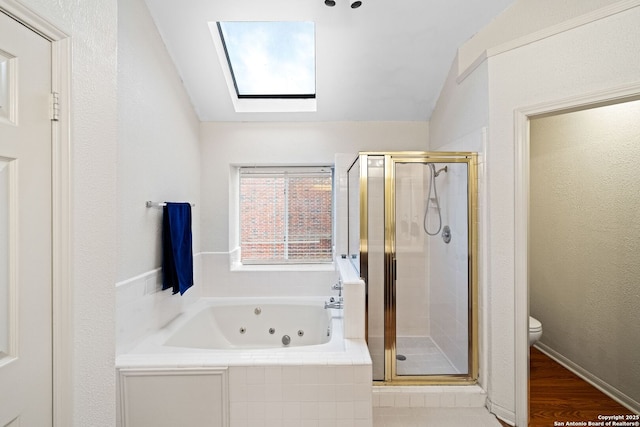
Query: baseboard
{"x":604,"y":387}
{"x":503,"y":414}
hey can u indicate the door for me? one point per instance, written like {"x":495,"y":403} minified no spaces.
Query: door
{"x":418,"y":250}
{"x":431,"y":282}
{"x":25,"y":227}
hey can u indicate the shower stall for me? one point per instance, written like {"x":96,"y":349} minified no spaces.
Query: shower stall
{"x":412,"y":237}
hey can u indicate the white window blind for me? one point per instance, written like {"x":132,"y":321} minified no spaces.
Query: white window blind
{"x":286,"y":215}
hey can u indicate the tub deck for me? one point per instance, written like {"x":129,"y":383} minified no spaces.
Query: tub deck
{"x":152,"y":351}
{"x":242,"y":387}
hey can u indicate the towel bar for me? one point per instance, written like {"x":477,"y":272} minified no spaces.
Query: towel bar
{"x":151,"y":204}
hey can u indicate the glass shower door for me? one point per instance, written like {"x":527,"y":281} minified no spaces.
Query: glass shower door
{"x":431,"y":255}
{"x":417,"y":216}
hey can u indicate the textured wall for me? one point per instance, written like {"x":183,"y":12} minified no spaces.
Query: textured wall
{"x":593,"y":57}
{"x":158,"y":147}
{"x":597,"y":56}
{"x":94,"y":120}
{"x":585,"y":240}
{"x":461,"y":110}
{"x":522,"y":18}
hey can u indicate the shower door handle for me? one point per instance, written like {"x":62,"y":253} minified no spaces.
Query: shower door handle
{"x":394,"y":269}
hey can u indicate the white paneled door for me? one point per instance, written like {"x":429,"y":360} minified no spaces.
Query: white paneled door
{"x":25,"y":227}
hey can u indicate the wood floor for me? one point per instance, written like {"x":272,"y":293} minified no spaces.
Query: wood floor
{"x":556,"y":394}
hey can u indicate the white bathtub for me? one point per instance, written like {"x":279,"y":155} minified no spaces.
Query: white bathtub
{"x":211,"y":328}
{"x":216,"y":375}
{"x":233,"y":323}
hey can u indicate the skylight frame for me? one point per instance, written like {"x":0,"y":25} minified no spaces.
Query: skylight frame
{"x":266,"y":96}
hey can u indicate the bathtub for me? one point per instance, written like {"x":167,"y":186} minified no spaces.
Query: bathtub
{"x":248,"y":360}
{"x":230,"y":324}
{"x":225,"y":328}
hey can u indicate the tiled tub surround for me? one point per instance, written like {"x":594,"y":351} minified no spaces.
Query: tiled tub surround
{"x":321,"y":385}
{"x":270,"y":388}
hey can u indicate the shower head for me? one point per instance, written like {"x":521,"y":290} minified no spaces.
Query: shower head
{"x":444,"y":169}
{"x":436,"y":173}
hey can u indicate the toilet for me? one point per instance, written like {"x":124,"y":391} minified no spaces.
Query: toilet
{"x":535,"y":330}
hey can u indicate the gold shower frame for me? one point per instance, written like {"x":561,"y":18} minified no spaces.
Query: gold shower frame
{"x":390,"y":160}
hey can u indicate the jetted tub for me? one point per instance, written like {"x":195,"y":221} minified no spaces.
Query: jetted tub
{"x":262,"y":327}
{"x":260,"y":324}
{"x":219,"y":365}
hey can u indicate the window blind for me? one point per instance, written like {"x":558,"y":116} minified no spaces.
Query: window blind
{"x":286,"y":215}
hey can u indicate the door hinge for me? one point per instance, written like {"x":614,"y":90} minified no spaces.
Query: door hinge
{"x":55,"y":106}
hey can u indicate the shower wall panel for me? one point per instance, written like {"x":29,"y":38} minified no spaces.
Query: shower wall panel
{"x":448,"y":271}
{"x":411,"y":253}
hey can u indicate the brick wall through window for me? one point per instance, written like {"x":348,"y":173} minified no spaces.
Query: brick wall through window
{"x":286,"y":215}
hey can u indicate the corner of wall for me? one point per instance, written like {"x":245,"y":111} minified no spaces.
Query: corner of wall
{"x":142,"y":307}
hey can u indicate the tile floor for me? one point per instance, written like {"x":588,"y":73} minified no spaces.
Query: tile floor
{"x":422,"y":357}
{"x":440,"y":417}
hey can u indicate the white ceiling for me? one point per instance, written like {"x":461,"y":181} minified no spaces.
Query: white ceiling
{"x":386,"y":61}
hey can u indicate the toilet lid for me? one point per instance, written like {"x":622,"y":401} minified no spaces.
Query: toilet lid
{"x":534,"y":324}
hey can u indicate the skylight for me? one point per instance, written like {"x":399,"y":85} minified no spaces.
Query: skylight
{"x":270,"y":59}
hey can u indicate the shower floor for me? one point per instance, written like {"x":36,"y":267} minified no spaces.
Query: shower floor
{"x":422,"y":357}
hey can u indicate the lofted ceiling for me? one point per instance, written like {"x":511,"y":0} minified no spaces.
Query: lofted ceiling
{"x":385,"y":61}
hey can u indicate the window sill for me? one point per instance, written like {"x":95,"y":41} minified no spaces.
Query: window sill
{"x":283,"y":267}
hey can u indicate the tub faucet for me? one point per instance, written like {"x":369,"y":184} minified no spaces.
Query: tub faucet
{"x":333,"y":303}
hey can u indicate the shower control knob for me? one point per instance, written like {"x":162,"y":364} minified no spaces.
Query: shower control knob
{"x":446,"y":234}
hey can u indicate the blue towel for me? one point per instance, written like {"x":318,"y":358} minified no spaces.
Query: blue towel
{"x":177,"y":255}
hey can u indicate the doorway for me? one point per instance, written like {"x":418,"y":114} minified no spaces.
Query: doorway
{"x":521,"y":122}
{"x":57,"y":306}
{"x":584,"y":236}
{"x":414,"y":213}
{"x":26,"y":343}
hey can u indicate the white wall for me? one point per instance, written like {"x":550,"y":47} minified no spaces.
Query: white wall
{"x":461,"y":110}
{"x":592,"y":57}
{"x":158,"y":160}
{"x":521,"y":19}
{"x":93,"y":30}
{"x":225,"y":144}
{"x":585,"y":240}
{"x":159,"y":147}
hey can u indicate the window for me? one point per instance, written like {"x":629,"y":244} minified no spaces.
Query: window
{"x":270,"y":59}
{"x":286,"y":215}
